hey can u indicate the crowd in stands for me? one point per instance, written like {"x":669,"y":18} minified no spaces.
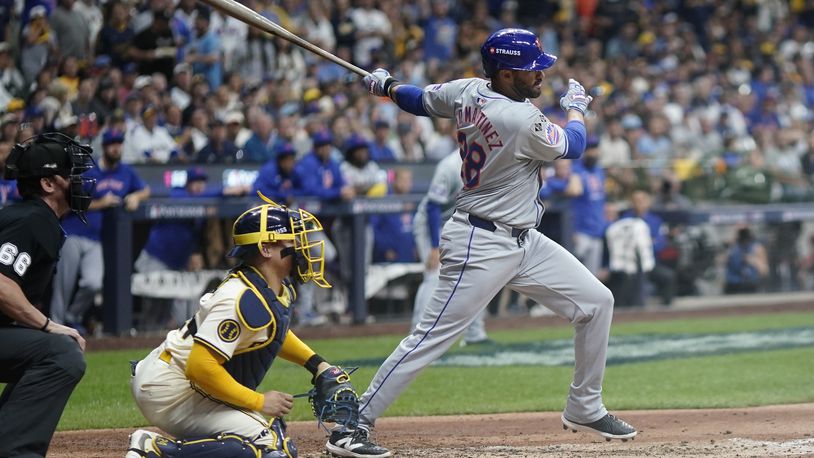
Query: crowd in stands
{"x":701,"y":100}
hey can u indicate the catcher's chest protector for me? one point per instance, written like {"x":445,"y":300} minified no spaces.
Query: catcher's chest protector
{"x":259,"y":310}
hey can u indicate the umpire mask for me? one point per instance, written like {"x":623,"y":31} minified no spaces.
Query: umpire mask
{"x":52,"y":154}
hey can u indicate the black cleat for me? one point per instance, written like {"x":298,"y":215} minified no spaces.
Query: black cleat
{"x":355,"y":444}
{"x":608,"y":427}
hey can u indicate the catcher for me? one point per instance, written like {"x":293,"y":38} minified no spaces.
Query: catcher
{"x":200,"y":384}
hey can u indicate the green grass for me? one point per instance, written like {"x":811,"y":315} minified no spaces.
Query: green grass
{"x":102,"y":399}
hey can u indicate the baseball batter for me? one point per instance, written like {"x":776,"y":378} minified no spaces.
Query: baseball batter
{"x":490,"y":242}
{"x":433,"y":211}
{"x":200,"y":384}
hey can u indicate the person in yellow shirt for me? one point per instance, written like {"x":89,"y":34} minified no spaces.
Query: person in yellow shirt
{"x":200,"y":385}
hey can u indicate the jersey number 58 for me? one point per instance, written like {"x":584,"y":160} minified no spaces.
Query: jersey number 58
{"x":474,"y":157}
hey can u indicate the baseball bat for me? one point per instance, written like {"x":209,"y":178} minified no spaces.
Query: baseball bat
{"x":253,"y":18}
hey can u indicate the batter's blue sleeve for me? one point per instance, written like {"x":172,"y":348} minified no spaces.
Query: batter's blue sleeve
{"x":410,"y":99}
{"x":434,"y":223}
{"x":576,"y":139}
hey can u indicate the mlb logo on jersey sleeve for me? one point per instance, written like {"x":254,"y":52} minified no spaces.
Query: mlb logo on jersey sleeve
{"x":552,"y":134}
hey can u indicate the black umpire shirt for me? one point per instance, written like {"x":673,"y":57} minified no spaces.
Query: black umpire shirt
{"x":30,"y":240}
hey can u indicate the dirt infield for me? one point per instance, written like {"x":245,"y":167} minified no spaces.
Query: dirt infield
{"x":760,"y":431}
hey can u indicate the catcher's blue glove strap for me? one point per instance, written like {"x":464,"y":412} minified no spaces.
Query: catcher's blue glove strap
{"x":410,"y":99}
{"x":576,"y":139}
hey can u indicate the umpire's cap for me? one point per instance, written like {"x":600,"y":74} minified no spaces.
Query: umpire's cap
{"x":514,"y":49}
{"x":38,"y":159}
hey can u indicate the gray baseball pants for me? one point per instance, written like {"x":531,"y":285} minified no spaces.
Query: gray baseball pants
{"x":80,"y":267}
{"x":475,"y":265}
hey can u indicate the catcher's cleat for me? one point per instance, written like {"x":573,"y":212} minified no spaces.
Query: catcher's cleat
{"x":142,"y":443}
{"x":608,"y":427}
{"x":356,"y":443}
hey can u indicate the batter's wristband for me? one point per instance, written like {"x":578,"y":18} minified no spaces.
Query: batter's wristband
{"x":390,"y":83}
{"x":313,"y":363}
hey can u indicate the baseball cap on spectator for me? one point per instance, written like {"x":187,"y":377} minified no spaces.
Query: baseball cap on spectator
{"x":9,"y":118}
{"x":322,"y":138}
{"x":182,"y":67}
{"x":142,"y":81}
{"x":311,"y":94}
{"x":204,"y":12}
{"x":33,"y":112}
{"x":631,"y":121}
{"x":233,"y":117}
{"x":65,"y":121}
{"x":102,"y":61}
{"x":106,"y":83}
{"x":15,"y":105}
{"x":289,"y":109}
{"x":130,"y":67}
{"x":355,"y":142}
{"x":148,"y":110}
{"x":5,"y":47}
{"x":196,"y":174}
{"x":37,"y":11}
{"x":112,"y":136}
{"x":286,"y":149}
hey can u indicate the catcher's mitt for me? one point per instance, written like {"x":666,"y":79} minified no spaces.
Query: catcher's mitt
{"x":333,"y":398}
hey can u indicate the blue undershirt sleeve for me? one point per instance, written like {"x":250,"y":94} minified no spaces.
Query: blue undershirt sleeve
{"x":576,"y":135}
{"x":434,"y":223}
{"x":410,"y":99}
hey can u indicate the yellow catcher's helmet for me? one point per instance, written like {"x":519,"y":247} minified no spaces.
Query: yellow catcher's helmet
{"x":272,"y":222}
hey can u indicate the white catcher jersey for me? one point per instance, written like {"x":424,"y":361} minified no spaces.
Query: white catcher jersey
{"x":503,"y":144}
{"x":219,"y":326}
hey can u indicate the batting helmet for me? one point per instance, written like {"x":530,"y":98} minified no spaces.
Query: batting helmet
{"x":272,"y":222}
{"x":514,"y":49}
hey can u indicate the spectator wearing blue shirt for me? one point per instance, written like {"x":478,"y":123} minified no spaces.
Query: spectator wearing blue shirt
{"x":81,"y":266}
{"x":258,"y":147}
{"x":440,"y":33}
{"x":204,"y":51}
{"x":393,"y":232}
{"x":379,"y":150}
{"x":746,"y":264}
{"x":276,"y":178}
{"x":319,"y":174}
{"x":219,"y":149}
{"x":176,"y":244}
{"x":588,"y":208}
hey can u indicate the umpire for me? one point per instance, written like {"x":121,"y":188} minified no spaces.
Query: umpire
{"x":40,"y":361}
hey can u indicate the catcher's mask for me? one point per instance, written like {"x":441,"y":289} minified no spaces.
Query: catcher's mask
{"x":52,"y":154}
{"x":272,"y":222}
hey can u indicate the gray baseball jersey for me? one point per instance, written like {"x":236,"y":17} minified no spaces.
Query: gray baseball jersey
{"x":503,"y":143}
{"x":444,"y":188}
